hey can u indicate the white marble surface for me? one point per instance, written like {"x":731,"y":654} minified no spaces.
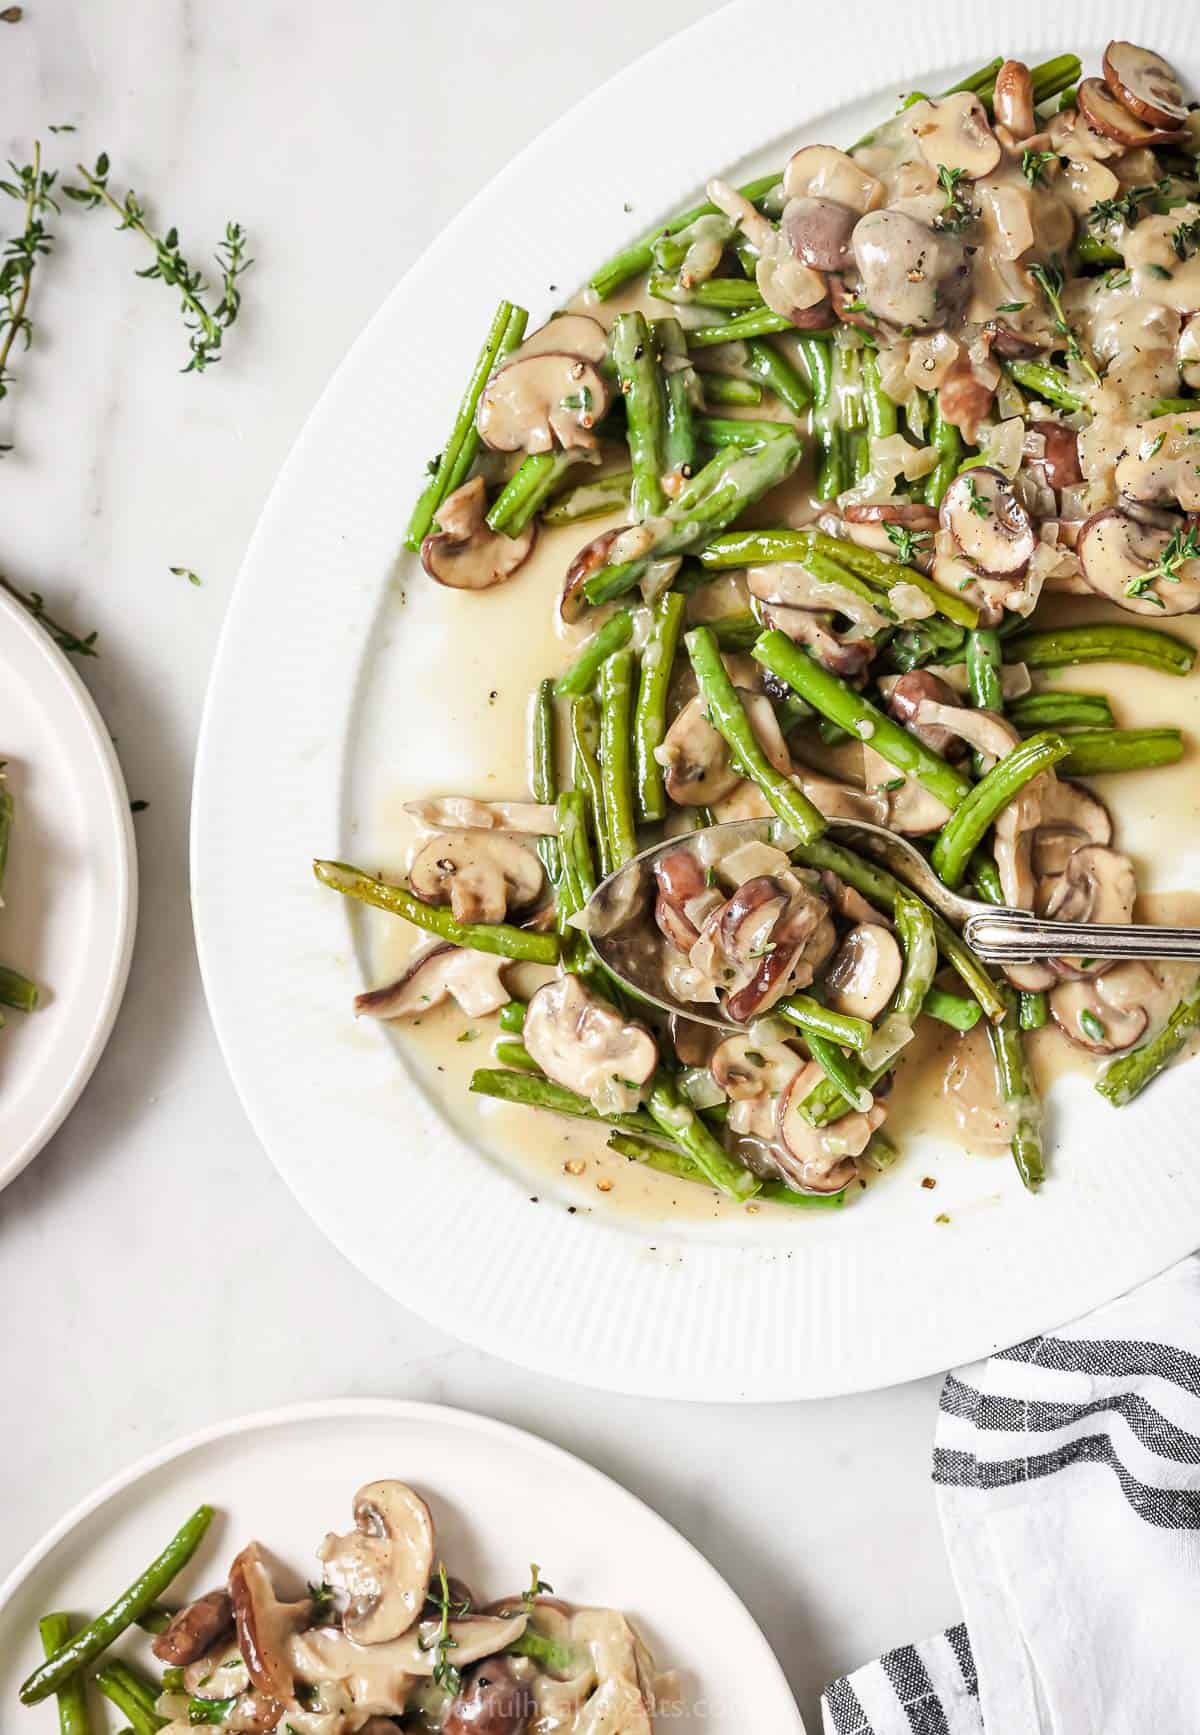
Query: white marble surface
{"x":155,"y":1274}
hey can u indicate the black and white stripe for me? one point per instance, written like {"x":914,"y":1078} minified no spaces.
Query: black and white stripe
{"x":1060,"y":1435}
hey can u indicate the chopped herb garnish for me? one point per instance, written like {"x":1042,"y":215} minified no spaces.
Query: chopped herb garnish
{"x":186,"y":572}
{"x":1159,"y":271}
{"x":1033,"y":163}
{"x":1012,"y":306}
{"x":958,"y":211}
{"x":1091,"y":1025}
{"x":322,"y":1603}
{"x":1155,"y":447}
{"x":975,"y":499}
{"x":906,"y":542}
{"x":1186,"y":238}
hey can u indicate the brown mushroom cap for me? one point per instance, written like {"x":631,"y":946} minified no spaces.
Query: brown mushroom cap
{"x":987,"y":521}
{"x":913,"y":513}
{"x":1013,"y":99}
{"x":818,"y":232}
{"x":464,"y":554}
{"x":1116,"y":553}
{"x":1097,"y":885}
{"x":474,"y":980}
{"x":1060,"y":458}
{"x":491,"y":1701}
{"x":540,"y":401}
{"x":480,"y":874}
{"x":911,"y":275}
{"x":1146,"y":84}
{"x":264,"y":1624}
{"x":195,"y":1629}
{"x":865,"y":971}
{"x":1100,"y":108}
{"x":384,"y":1563}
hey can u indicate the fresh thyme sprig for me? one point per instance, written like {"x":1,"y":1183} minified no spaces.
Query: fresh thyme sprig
{"x":958,"y":210}
{"x":1050,"y":280}
{"x":1033,"y":163}
{"x":906,"y":542}
{"x":1127,"y":209}
{"x":1182,"y":546}
{"x":206,"y":325}
{"x":31,"y":188}
{"x":445,"y":1675}
{"x":63,"y":637}
{"x":975,"y":500}
{"x":1185,"y":238}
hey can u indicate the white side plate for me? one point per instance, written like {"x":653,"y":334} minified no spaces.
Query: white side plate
{"x":71,"y":887}
{"x":500,"y":1499}
{"x":311,"y":719}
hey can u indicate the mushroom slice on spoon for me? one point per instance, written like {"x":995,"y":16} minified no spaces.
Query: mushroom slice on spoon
{"x":384,"y":1564}
{"x":1145,"y":84}
{"x":540,"y":401}
{"x":480,"y":874}
{"x":475,"y":980}
{"x":987,"y":521}
{"x":464,"y":554}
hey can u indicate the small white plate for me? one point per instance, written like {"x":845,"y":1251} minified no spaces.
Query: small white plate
{"x":500,"y":1499}
{"x":70,"y":893}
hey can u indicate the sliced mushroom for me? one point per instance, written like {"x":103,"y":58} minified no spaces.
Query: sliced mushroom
{"x":491,"y":1701}
{"x":849,"y":903}
{"x":384,"y":1564}
{"x":1160,"y":464}
{"x":684,"y":897}
{"x":382,"y":1674}
{"x":787,"y":285}
{"x":911,"y":275}
{"x":818,"y":232}
{"x":983,"y":730}
{"x":846,"y":657}
{"x":569,"y":334}
{"x":953,"y":133}
{"x":821,"y":172}
{"x":696,"y":758}
{"x":593,"y":557}
{"x":747,"y":921}
{"x":264,"y":1624}
{"x":540,"y":401}
{"x":1145,"y":84}
{"x":988,"y":523}
{"x":1060,"y":455}
{"x":820,"y":1159}
{"x":1097,"y":885}
{"x":865,"y":971}
{"x":914,"y":514}
{"x":220,"y":1674}
{"x":579,"y":1041}
{"x":1106,"y":1013}
{"x":904,"y":700}
{"x":746,"y":1067}
{"x":464,"y":554}
{"x":253,"y":1714}
{"x":1013,"y":99}
{"x":1121,"y":560}
{"x":789,"y":584}
{"x":195,"y":1629}
{"x":799,"y":943}
{"x":480,"y":874}
{"x":1071,"y":817}
{"x":964,"y":399}
{"x":465,"y":813}
{"x":1101,"y":110}
{"x":475,"y":980}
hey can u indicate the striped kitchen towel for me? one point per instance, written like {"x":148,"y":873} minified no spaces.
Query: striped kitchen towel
{"x":1068,"y":1477}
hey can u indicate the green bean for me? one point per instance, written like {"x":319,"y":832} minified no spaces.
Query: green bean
{"x":814,"y":1019}
{"x":820,"y":360}
{"x":1061,"y":710}
{"x":636,"y":360}
{"x":844,"y":1072}
{"x":882,"y":417}
{"x":512,"y":1017}
{"x":828,"y":571}
{"x":1018,"y":1091}
{"x":828,"y":1101}
{"x":729,"y":718}
{"x":578,"y":876}
{"x":631,"y":261}
{"x":581,"y":676}
{"x":155,"y":1619}
{"x":984,"y":661}
{"x":1093,"y":751}
{"x":768,"y":364}
{"x":952,"y":1009}
{"x":17,"y":990}
{"x":833,"y":698}
{"x":533,"y":1092}
{"x":727,"y":389}
{"x":1097,"y":642}
{"x":1034,"y":1010}
{"x":585,"y":741}
{"x":736,"y":632}
{"x":724,"y":431}
{"x":671,"y":250}
{"x":515,"y":1054}
{"x":722,"y":491}
{"x":650,"y":712}
{"x":1047,"y":382}
{"x":497,"y":937}
{"x":985,"y":876}
{"x":676,"y":1117}
{"x":968,"y":825}
{"x":881,"y":889}
{"x":1173,"y":406}
{"x":678,"y":384}
{"x":133,"y":1696}
{"x":95,"y":1638}
{"x":73,"y":1718}
{"x":1054,"y":76}
{"x":591,"y":499}
{"x":760,"y":547}
{"x":557,"y":1659}
{"x":1128,"y":1077}
{"x":945,"y":438}
{"x":1091,"y":250}
{"x":543,"y":770}
{"x":202,"y":1711}
{"x":616,"y":755}
{"x":758,"y":322}
{"x":728,"y":294}
{"x":505,"y":333}
{"x":527,"y":489}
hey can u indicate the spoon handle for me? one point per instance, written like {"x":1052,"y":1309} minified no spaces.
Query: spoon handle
{"x":1011,"y":936}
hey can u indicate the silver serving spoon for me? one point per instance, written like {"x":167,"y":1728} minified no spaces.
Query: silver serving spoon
{"x":999,"y":935}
